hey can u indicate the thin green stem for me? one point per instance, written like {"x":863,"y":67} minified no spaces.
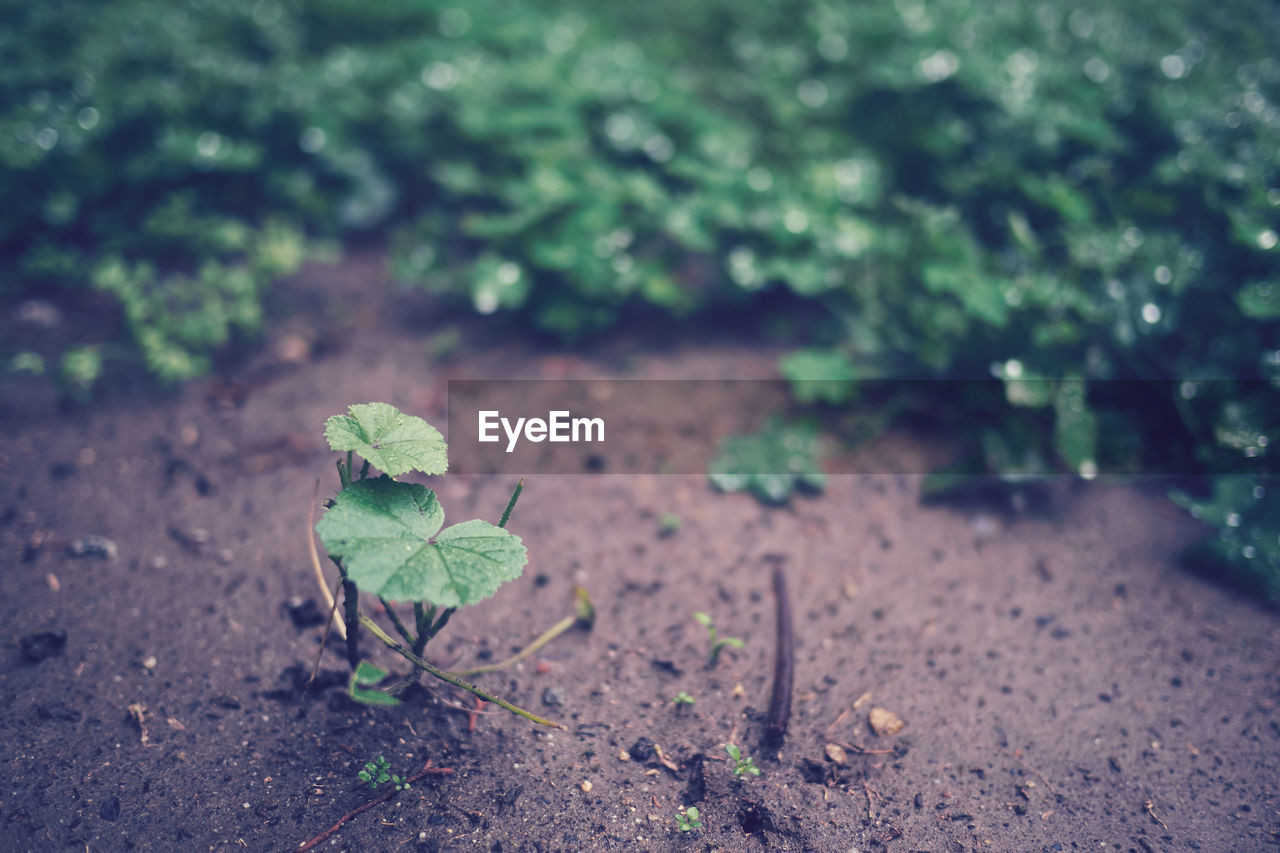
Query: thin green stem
{"x":422,"y":617}
{"x":351,"y":617}
{"x":511,"y":504}
{"x":344,"y":475}
{"x":547,"y":636}
{"x":584,"y":615}
{"x":442,"y":621}
{"x":351,"y":461}
{"x":386,"y":639}
{"x":400,"y":627}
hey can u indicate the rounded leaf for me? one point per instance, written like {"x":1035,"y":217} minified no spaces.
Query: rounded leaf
{"x":393,"y":442}
{"x":389,"y":538}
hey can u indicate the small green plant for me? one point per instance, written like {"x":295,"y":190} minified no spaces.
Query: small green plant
{"x":388,"y":538}
{"x":668,"y":524}
{"x":682,"y":698}
{"x":378,"y":772}
{"x":771,"y":464}
{"x":718,"y":643}
{"x":689,"y":819}
{"x":743,"y":765}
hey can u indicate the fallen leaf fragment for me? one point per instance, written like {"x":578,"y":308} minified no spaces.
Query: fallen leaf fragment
{"x":885,"y":723}
{"x":137,"y":711}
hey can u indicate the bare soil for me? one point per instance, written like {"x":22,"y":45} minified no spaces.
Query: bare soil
{"x":1064,"y":686}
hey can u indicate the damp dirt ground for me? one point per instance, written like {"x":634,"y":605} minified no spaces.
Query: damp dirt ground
{"x":1063,"y":684}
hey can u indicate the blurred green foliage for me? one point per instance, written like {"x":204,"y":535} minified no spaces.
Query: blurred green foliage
{"x":1050,"y":194}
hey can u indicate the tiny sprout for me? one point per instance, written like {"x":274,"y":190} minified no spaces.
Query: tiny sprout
{"x":717,"y":642}
{"x":682,"y":698}
{"x":378,"y":772}
{"x":688,"y":820}
{"x":668,"y":524}
{"x":742,"y":765}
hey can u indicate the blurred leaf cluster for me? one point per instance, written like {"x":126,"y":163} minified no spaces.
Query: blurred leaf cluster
{"x":1052,"y":195}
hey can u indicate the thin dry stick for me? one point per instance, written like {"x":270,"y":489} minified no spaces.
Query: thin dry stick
{"x":1151,"y":810}
{"x":324,"y":638}
{"x":328,"y":833}
{"x":861,"y":750}
{"x":330,"y":600}
{"x":783,"y":665}
{"x":1039,"y":776}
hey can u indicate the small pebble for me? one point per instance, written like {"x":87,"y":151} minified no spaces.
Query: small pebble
{"x":642,"y":749}
{"x":553,"y":697}
{"x":226,"y":557}
{"x":93,"y":546}
{"x":149,"y":663}
{"x":586,"y":786}
{"x":884,"y":722}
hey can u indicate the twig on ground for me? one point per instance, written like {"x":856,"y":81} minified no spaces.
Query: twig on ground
{"x":1151,"y":810}
{"x":783,"y":666}
{"x":358,"y":810}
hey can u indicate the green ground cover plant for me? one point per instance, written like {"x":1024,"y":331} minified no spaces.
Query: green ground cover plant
{"x":1051,"y":197}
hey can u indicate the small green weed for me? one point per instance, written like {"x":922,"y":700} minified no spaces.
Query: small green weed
{"x":771,"y":464}
{"x":743,"y":765}
{"x":388,"y":538}
{"x":718,"y":643}
{"x":378,"y":772}
{"x":689,"y":819}
{"x":682,"y":698}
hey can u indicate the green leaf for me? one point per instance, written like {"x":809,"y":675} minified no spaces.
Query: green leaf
{"x":361,"y":689}
{"x":778,"y":460}
{"x":393,"y":442}
{"x":1260,"y":300}
{"x":819,"y":376}
{"x":389,"y":538}
{"x":1076,"y":428}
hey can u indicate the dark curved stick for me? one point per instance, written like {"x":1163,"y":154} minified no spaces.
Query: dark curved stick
{"x":783,"y":666}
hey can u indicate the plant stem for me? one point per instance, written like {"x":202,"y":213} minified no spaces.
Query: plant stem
{"x":511,"y":504}
{"x":400,"y":627}
{"x":351,"y":615}
{"x":422,"y":617}
{"x":377,"y":631}
{"x":442,"y":621}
